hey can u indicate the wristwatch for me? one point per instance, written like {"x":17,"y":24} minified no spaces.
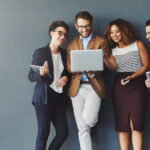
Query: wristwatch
{"x":91,"y":75}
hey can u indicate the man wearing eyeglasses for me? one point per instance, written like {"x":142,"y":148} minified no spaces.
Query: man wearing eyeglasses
{"x":86,"y":89}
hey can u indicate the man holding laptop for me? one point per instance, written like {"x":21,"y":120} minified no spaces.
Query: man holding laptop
{"x":86,"y":88}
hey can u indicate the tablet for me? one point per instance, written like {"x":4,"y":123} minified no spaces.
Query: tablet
{"x":35,"y":68}
{"x":86,"y":60}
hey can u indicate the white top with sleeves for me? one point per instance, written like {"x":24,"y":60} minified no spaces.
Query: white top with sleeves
{"x":58,"y":69}
{"x":127,"y":58}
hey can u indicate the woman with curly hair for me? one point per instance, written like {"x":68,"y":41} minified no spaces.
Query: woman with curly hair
{"x":129,"y":58}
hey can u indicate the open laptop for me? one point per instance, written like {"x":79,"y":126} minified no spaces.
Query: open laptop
{"x":86,"y":60}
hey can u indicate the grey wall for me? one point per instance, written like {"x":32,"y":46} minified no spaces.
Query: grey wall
{"x":23,"y":28}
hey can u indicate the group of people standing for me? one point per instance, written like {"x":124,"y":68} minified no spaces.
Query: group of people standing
{"x":123,"y":53}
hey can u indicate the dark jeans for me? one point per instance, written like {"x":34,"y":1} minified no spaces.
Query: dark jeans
{"x":53,"y":111}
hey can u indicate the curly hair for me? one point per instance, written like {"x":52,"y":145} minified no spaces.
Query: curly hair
{"x":126,"y":29}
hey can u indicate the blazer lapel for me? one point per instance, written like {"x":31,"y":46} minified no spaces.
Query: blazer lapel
{"x":92,"y":41}
{"x":63,"y":57}
{"x":79,"y":43}
{"x":50,"y":61}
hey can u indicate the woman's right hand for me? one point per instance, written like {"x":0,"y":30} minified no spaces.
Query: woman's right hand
{"x":126,"y":80}
{"x":147,"y":83}
{"x":44,"y":69}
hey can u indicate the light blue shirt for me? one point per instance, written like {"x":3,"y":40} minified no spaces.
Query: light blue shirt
{"x":85,"y":43}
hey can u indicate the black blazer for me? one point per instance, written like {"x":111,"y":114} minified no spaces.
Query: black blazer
{"x":40,"y":90}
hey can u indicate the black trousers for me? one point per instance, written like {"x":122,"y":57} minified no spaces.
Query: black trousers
{"x":53,"y":111}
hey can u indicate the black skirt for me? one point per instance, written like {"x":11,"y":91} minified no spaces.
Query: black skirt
{"x":129,"y":103}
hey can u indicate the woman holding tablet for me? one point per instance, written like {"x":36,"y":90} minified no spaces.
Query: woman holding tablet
{"x":130,"y":60}
{"x":48,"y":92}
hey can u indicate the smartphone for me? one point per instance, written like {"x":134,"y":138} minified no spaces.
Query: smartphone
{"x":148,"y":75}
{"x":125,"y":81}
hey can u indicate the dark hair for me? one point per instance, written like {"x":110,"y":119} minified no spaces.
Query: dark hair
{"x":147,"y":23}
{"x":56,"y":24}
{"x":126,"y":29}
{"x":84,"y":15}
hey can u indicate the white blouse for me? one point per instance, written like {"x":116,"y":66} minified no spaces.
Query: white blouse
{"x":58,"y":69}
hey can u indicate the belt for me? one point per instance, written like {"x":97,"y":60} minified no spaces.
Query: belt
{"x":85,"y":82}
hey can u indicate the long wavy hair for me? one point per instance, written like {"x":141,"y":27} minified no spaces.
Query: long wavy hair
{"x":126,"y":29}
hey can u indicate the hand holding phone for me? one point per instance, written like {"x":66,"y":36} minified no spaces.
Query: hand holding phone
{"x":124,"y":81}
{"x":147,"y":81}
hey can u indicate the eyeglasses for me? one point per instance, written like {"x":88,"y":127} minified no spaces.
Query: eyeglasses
{"x":82,"y":27}
{"x":60,"y":33}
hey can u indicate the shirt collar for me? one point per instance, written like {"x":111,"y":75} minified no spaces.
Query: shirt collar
{"x":87,"y":38}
